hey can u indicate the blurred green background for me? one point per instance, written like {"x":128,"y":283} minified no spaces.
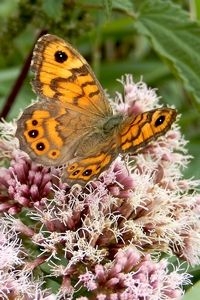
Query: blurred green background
{"x":158,"y":40}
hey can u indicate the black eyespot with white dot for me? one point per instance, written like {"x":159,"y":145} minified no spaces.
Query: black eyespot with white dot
{"x":40,"y":146}
{"x":60,"y":56}
{"x":87,"y":172}
{"x":159,"y":121}
{"x":76,"y":172}
{"x":33,"y":133}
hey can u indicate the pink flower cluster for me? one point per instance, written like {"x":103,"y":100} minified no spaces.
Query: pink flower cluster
{"x":23,"y":184}
{"x":132,"y":276}
{"x":95,"y":239}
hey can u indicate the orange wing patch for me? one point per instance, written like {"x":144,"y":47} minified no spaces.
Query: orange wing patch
{"x":87,"y":168}
{"x":145,"y":127}
{"x":40,"y":132}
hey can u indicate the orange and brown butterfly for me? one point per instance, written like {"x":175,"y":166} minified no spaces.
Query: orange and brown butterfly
{"x":72,"y":123}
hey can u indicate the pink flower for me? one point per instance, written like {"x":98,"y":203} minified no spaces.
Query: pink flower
{"x":23,"y":184}
{"x":95,"y":239}
{"x":131,"y":276}
{"x":16,"y":281}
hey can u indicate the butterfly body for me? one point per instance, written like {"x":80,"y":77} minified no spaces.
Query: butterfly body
{"x":73,"y":124}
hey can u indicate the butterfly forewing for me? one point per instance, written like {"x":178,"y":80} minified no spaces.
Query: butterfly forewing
{"x":62,"y":73}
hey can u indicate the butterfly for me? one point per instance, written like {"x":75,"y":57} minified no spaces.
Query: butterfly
{"x":72,"y":123}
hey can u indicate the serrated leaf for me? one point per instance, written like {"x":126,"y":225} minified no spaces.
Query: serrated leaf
{"x":120,"y":5}
{"x":123,"y":5}
{"x":175,"y":38}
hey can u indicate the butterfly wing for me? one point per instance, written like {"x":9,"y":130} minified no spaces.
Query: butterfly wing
{"x":71,"y":103}
{"x":53,"y":137}
{"x":136,"y":132}
{"x":61,"y":73}
{"x":131,"y":135}
{"x":49,"y":133}
{"x":85,"y":169}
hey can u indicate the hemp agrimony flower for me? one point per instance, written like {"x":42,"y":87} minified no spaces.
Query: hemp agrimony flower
{"x":103,"y":240}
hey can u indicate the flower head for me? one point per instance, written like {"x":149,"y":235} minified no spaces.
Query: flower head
{"x":23,"y":184}
{"x":131,"y":276}
{"x":16,"y":281}
{"x":96,"y":238}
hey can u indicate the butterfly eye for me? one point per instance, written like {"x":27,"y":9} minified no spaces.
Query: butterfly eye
{"x":159,"y":121}
{"x":60,"y":56}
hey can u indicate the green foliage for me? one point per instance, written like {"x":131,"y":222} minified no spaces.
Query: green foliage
{"x":155,"y":39}
{"x":193,"y":292}
{"x":176,"y":40}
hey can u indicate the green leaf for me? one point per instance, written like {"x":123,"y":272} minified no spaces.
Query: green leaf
{"x":108,"y":7}
{"x":119,"y":5}
{"x":195,"y":9}
{"x":125,"y":5}
{"x":7,"y":7}
{"x":193,"y":292}
{"x":175,"y":38}
{"x":8,"y":74}
{"x":53,"y":9}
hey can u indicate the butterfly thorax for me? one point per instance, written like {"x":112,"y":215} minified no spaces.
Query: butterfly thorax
{"x":111,"y":123}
